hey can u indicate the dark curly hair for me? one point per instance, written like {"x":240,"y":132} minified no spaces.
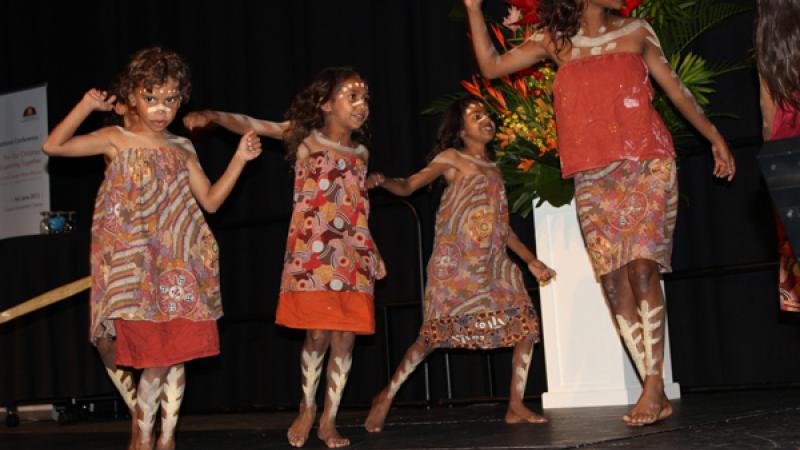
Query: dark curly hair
{"x":777,"y":49}
{"x":305,"y":113}
{"x":449,"y":134}
{"x":561,"y":18}
{"x":152,"y":67}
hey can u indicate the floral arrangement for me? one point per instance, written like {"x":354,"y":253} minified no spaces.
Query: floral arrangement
{"x":522,"y":104}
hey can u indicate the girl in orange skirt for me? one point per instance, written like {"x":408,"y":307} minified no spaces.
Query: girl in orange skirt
{"x":155,"y":269}
{"x":331,"y":261}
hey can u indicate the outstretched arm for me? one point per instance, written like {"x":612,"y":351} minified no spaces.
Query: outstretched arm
{"x":237,"y":123}
{"x":768,"y":108}
{"x":404,"y":187}
{"x":492,"y":64}
{"x":62,"y":142}
{"x":211,"y":196}
{"x":536,"y":267}
{"x":682,"y":98}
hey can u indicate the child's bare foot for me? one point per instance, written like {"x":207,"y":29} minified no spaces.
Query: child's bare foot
{"x":331,"y":437}
{"x":377,"y":414}
{"x":652,"y":406}
{"x":518,"y":413}
{"x":298,"y":431}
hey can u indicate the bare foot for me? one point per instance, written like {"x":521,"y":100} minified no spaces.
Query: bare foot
{"x":377,"y":414}
{"x":331,"y":437}
{"x":519,"y":413}
{"x":652,"y":406}
{"x":298,"y":431}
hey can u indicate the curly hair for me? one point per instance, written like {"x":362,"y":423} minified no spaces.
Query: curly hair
{"x":449,"y":134}
{"x":561,"y":18}
{"x":777,"y":49}
{"x":305,"y":113}
{"x":153,"y":67}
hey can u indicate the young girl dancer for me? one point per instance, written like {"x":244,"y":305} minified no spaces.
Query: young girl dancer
{"x":155,"y":269}
{"x":475,"y":297}
{"x":331,"y":261}
{"x":621,"y":155}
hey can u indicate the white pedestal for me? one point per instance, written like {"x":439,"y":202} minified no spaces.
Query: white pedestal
{"x":587,"y":365}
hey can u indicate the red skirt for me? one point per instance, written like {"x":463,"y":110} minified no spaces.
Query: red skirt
{"x":142,"y":344}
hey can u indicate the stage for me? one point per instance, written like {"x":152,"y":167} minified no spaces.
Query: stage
{"x":735,"y":419}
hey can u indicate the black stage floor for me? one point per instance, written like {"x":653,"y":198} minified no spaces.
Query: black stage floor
{"x":743,"y":419}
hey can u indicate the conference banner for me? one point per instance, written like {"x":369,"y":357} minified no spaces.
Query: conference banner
{"x":24,"y":182}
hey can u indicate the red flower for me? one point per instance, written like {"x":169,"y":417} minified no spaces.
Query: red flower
{"x":630,"y":5}
{"x":528,"y":8}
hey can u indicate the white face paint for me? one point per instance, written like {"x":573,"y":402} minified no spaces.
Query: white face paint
{"x":157,"y":108}
{"x":124,"y":384}
{"x":339,"y":379}
{"x":311,"y":367}
{"x":171,"y":401}
{"x":403,"y":374}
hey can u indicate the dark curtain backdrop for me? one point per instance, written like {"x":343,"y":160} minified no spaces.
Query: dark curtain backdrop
{"x":252,"y":57}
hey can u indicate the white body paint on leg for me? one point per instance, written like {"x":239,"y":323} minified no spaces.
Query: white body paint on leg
{"x":522,"y":372}
{"x":627,"y":331}
{"x":125,"y":386}
{"x":339,"y":379}
{"x":147,"y":400}
{"x":312,"y":365}
{"x":648,"y":331}
{"x":171,"y":402}
{"x":402,"y":376}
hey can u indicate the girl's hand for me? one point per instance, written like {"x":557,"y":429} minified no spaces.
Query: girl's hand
{"x":541,"y":271}
{"x":98,"y":100}
{"x":375,"y":179}
{"x":473,"y":4}
{"x":198,"y":119}
{"x":724,"y":164}
{"x":249,"y":147}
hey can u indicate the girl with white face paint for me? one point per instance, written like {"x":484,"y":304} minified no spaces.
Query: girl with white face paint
{"x":621,"y":155}
{"x":475,"y":297}
{"x":155,"y":291}
{"x":331,"y":262}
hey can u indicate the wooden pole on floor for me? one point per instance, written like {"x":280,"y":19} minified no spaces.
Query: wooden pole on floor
{"x":46,"y":299}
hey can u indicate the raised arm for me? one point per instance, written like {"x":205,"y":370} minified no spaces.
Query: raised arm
{"x":768,"y":108}
{"x":404,"y":187}
{"x":492,"y":64}
{"x":682,"y":98}
{"x":237,"y":123}
{"x":62,"y":142}
{"x":211,"y":196}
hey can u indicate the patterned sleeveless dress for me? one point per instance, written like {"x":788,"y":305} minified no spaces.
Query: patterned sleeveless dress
{"x":155,"y":264}
{"x":475,"y":297}
{"x":787,"y":125}
{"x":331,"y":261}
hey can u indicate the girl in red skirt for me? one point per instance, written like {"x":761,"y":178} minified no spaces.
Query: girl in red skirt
{"x":155,"y":267}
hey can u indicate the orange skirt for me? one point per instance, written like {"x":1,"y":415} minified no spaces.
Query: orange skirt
{"x":142,"y":344}
{"x":325,"y":310}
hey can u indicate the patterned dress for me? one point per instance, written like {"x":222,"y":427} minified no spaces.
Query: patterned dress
{"x":155,"y":264}
{"x":331,"y":261}
{"x":787,"y":125}
{"x":475,"y":296}
{"x":621,"y":154}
